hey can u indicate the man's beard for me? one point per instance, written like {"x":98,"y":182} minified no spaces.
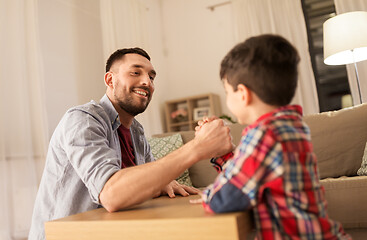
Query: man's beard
{"x":127,"y":104}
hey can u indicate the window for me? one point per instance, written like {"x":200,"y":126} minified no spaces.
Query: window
{"x":331,"y":81}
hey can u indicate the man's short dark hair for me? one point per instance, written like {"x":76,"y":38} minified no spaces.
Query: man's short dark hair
{"x":118,"y":54}
{"x":267,"y":65}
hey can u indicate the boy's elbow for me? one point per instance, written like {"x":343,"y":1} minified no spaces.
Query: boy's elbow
{"x":229,"y":199}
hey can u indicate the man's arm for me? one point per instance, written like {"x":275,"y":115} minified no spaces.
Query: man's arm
{"x":134,"y":185}
{"x":217,"y":162}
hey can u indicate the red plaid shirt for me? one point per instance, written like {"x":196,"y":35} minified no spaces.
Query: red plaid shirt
{"x":274,"y":172}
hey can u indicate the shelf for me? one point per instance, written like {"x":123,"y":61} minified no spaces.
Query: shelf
{"x":194,"y":108}
{"x":176,"y":124}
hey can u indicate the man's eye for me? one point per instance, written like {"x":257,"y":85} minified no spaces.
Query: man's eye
{"x":134,"y":73}
{"x":151,"y":78}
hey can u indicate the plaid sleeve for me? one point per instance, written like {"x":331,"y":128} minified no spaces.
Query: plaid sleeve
{"x":237,"y":187}
{"x":220,"y":161}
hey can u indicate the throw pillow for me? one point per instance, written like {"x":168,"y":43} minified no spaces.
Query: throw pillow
{"x":362,"y":171}
{"x":160,"y":147}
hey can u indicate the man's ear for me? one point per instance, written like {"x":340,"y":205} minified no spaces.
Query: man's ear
{"x":245,"y":93}
{"x":108,"y":79}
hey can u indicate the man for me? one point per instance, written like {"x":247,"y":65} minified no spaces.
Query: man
{"x":98,"y":155}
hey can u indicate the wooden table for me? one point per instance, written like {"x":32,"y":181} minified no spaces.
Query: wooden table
{"x":161,"y":218}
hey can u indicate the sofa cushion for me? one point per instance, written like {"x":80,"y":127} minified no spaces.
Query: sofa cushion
{"x":362,"y":171}
{"x":161,"y":146}
{"x":201,"y":173}
{"x":346,"y":198}
{"x":338,"y":139}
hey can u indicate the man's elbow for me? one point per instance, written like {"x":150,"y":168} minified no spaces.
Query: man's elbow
{"x":110,"y":208}
{"x":107,"y":201}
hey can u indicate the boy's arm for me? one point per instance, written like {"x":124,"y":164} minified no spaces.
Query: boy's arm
{"x":238,"y":187}
{"x":228,"y":199}
{"x":220,"y":161}
{"x":217,"y":162}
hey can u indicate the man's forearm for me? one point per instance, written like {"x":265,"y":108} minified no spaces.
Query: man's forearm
{"x":134,"y":185}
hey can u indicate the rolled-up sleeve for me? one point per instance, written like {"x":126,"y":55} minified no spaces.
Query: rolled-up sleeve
{"x":89,"y":152}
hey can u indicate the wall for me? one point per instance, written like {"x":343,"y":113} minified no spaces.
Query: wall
{"x":152,"y":118}
{"x":187,"y":42}
{"x":195,"y":41}
{"x":71,"y":46}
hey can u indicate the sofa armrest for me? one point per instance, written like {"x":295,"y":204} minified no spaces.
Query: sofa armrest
{"x":346,"y":197}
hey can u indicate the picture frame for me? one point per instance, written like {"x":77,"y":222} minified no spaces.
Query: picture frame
{"x":201,"y":112}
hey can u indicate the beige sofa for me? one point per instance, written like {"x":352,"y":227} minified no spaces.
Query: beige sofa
{"x":339,"y":138}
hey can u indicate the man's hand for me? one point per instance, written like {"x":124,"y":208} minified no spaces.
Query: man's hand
{"x":213,"y":138}
{"x":203,"y":121}
{"x":175,"y":188}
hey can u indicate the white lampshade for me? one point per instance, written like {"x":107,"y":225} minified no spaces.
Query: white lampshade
{"x":345,"y":35}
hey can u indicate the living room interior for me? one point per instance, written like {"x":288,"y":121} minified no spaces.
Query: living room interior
{"x":54,"y":58}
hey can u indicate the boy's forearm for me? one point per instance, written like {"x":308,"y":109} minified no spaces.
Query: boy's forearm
{"x":224,"y":198}
{"x":220,"y":161}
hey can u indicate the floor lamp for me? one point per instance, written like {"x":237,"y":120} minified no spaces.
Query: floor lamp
{"x":345,"y":41}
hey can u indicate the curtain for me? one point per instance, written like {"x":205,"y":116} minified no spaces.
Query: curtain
{"x":22,"y":122}
{"x":343,"y":6}
{"x":124,"y":24}
{"x":283,"y":17}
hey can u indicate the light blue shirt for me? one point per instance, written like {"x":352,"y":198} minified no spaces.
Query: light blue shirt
{"x":84,"y":152}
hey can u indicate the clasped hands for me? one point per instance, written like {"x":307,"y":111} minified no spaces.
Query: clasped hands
{"x":228,"y":144}
{"x":215,"y":140}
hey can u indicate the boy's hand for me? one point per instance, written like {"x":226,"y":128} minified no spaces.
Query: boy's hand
{"x":197,"y":200}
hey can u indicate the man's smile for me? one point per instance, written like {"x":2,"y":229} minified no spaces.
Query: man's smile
{"x":141,"y":92}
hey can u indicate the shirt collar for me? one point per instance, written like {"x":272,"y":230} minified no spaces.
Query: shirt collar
{"x":107,"y":105}
{"x":289,"y":109}
{"x":295,"y":109}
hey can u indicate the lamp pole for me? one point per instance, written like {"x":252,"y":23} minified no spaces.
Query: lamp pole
{"x":357,"y":76}
{"x":345,"y":42}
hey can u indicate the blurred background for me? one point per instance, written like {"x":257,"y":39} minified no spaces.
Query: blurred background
{"x":53,"y":55}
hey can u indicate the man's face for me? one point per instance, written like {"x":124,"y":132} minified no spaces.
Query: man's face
{"x":133,"y":85}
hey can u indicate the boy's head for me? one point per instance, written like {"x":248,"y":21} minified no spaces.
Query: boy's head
{"x":265,"y":64}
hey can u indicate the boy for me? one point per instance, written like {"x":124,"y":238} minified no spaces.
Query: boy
{"x":273,"y":170}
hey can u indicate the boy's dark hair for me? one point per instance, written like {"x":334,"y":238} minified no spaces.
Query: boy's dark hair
{"x":118,"y":54}
{"x":267,"y":65}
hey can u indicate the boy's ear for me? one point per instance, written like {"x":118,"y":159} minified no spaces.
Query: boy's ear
{"x":108,"y":79}
{"x":246,"y":96}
